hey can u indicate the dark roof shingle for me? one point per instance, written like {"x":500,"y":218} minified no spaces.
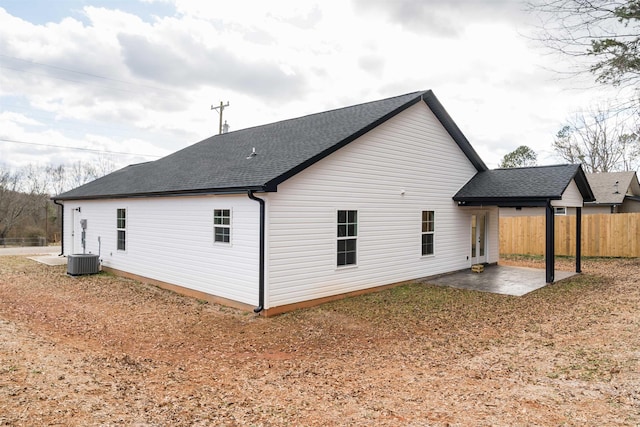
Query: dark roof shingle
{"x":222,"y":163}
{"x":522,"y":185}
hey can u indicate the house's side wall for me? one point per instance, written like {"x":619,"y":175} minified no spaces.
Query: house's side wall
{"x":493,"y":234}
{"x":586,"y":210}
{"x":511,"y":212}
{"x":67,"y":242}
{"x":630,"y":206}
{"x":571,"y":197}
{"x":596,"y":209}
{"x":170,"y":239}
{"x":404,"y":166}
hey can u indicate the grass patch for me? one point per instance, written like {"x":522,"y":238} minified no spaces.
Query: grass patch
{"x":521,"y":257}
{"x":585,"y":364}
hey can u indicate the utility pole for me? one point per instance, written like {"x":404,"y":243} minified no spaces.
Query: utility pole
{"x":221,"y":108}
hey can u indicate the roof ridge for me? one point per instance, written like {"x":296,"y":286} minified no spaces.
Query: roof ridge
{"x":539,"y":166}
{"x":346,"y":107}
{"x":611,"y":173}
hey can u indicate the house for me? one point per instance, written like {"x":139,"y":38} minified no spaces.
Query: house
{"x":302,"y":211}
{"x":614,"y":192}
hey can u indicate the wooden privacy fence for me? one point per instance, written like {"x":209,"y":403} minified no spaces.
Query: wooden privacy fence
{"x":608,"y":235}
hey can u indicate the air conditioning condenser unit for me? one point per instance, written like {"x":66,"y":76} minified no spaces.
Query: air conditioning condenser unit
{"x":79,"y":264}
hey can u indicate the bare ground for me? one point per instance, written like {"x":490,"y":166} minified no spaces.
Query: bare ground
{"x":102,"y":350}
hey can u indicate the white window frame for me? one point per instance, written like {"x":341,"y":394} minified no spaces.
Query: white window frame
{"x":561,"y":210}
{"x":121,"y":228}
{"x":428,"y":232}
{"x":346,"y":231}
{"x":222,"y":225}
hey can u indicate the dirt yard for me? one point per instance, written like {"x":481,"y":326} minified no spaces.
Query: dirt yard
{"x":102,"y":350}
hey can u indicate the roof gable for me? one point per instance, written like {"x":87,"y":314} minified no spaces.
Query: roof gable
{"x":225,"y":163}
{"x":531,"y":186}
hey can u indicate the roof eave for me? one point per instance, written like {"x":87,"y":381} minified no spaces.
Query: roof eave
{"x":312,"y":160}
{"x":581,"y":181}
{"x":452,"y":128}
{"x":505,"y":201}
{"x":177,"y":193}
{"x":429,"y":98}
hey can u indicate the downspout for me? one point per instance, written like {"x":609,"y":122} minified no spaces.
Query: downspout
{"x":61,"y":227}
{"x":260,"y":306}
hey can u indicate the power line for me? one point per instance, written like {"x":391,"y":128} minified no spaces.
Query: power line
{"x":78,"y":148}
{"x":68,"y":79}
{"x":71,"y":123}
{"x":76,"y":72}
{"x":77,"y":80}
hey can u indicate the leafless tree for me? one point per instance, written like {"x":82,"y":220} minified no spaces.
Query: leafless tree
{"x":80,"y":173}
{"x":25,"y":192}
{"x":11,"y":200}
{"x":58,"y":176}
{"x":599,"y":141}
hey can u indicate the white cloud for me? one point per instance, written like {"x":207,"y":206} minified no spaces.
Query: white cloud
{"x":119,"y":81}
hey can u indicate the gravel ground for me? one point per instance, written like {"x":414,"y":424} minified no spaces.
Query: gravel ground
{"x":102,"y":350}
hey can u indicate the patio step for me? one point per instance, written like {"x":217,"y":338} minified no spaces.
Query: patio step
{"x":477,"y":268}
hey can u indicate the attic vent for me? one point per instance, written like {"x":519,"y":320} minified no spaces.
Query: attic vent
{"x":253,"y":154}
{"x":79,"y":264}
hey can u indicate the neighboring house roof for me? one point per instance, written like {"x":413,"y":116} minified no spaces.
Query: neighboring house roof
{"x":224,"y":163}
{"x":530,"y":186}
{"x":608,"y":193}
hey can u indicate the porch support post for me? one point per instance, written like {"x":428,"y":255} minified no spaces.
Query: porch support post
{"x":578,"y":239}
{"x":550,"y":255}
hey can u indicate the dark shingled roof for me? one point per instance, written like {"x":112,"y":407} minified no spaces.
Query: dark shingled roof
{"x":223,"y":163}
{"x":530,"y":186}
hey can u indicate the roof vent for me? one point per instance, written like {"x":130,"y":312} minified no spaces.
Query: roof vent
{"x":616,"y":185}
{"x":253,"y":154}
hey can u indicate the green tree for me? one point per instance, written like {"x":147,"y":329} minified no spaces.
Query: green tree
{"x":604,"y":35}
{"x":520,"y":157}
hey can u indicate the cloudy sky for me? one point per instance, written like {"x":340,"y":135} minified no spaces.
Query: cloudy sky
{"x":134,"y":80}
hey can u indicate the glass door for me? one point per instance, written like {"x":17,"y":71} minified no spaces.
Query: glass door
{"x":478,"y":238}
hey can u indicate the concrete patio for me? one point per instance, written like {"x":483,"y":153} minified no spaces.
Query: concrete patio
{"x":48,"y":255}
{"x":499,"y":279}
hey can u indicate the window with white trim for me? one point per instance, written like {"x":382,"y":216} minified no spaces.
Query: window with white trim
{"x":428,"y":232}
{"x":347,"y":237}
{"x":121,"y":229}
{"x":560,"y":211}
{"x":222,"y":225}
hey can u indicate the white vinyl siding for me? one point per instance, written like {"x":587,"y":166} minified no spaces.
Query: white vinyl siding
{"x":388,"y":175}
{"x":571,"y":197}
{"x":170,"y":239}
